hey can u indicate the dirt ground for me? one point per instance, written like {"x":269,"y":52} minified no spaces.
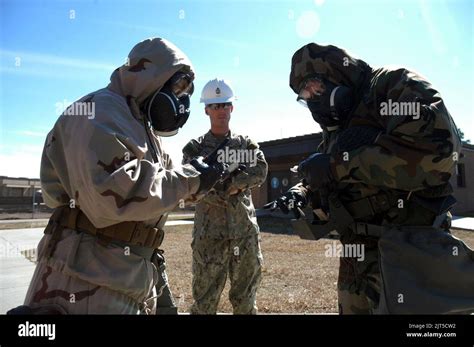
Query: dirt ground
{"x":297,"y":277}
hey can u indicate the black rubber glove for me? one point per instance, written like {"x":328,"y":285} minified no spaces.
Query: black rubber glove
{"x":227,"y":180}
{"x":293,"y":200}
{"x":316,"y":169}
{"x":210,"y":174}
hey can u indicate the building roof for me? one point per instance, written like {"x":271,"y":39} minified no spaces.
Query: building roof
{"x":467,"y":145}
{"x":19,"y":178}
{"x":313,"y":136}
{"x":318,"y":136}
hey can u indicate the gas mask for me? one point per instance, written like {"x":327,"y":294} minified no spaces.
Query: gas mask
{"x":168,"y":108}
{"x":329,"y":104}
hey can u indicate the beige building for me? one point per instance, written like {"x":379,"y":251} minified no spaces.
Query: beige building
{"x":18,"y":190}
{"x":282,"y":154}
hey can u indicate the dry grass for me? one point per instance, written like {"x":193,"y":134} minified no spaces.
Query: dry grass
{"x":466,"y":236}
{"x":297,"y":277}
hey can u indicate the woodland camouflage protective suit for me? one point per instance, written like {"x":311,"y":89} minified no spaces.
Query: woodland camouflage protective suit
{"x":389,"y":171}
{"x":111,"y":168}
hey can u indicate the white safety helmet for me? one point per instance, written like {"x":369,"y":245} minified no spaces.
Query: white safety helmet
{"x":217,"y":91}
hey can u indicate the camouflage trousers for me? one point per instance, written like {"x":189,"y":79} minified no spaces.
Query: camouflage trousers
{"x":213,"y":260}
{"x":84,"y":276}
{"x":359,"y":282}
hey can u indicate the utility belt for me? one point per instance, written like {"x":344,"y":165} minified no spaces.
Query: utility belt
{"x":129,"y":233}
{"x":370,"y":206}
{"x":343,"y":217}
{"x":436,"y":210}
{"x":373,"y":230}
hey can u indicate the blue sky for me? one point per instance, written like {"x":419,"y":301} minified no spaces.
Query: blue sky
{"x":56,"y":51}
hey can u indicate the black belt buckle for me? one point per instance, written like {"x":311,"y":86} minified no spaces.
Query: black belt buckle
{"x":377,"y":204}
{"x":361,"y":229}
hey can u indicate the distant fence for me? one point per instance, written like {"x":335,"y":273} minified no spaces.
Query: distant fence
{"x":19,"y":200}
{"x":22,"y":205}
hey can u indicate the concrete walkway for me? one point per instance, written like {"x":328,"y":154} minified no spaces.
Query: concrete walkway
{"x":23,"y":223}
{"x":15,"y":269}
{"x":17,"y":253}
{"x":466,"y":223}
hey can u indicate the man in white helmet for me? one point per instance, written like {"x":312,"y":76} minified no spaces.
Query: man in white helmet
{"x":226,"y":233}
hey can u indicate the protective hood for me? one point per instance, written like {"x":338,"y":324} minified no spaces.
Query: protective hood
{"x":150,"y":64}
{"x":334,"y":63}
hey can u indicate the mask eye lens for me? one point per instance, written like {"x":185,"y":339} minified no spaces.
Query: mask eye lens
{"x":181,"y":84}
{"x":312,"y":88}
{"x":190,"y":89}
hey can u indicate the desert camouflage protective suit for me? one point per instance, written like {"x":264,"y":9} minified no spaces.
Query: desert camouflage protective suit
{"x":404,"y":158}
{"x":226,"y":233}
{"x":113,"y":168}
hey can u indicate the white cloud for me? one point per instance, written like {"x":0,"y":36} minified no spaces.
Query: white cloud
{"x":49,"y":72}
{"x":20,"y":164}
{"x":432,"y":27}
{"x":50,"y":66}
{"x":155,"y":30}
{"x":21,"y":160}
{"x":20,"y":58}
{"x":31,"y":133}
